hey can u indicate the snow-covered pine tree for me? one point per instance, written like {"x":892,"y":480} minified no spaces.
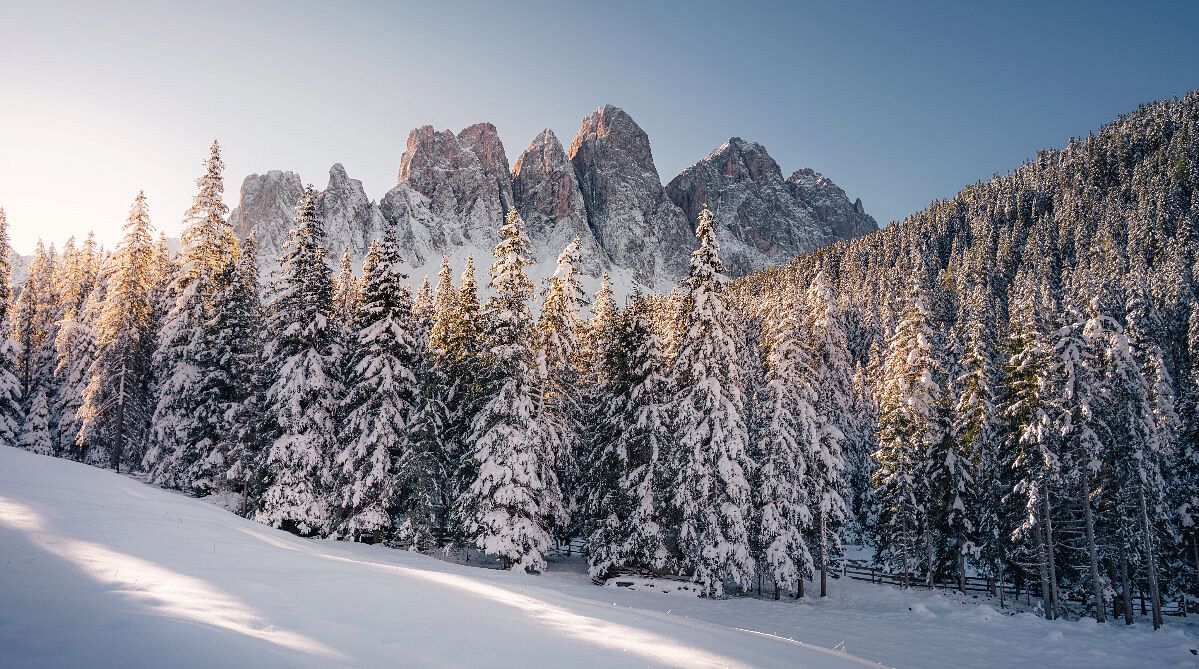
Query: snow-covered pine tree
{"x":229,"y":355}
{"x":36,"y":435}
{"x":1072,"y":372}
{"x":34,"y":325}
{"x":1029,"y":411}
{"x":191,"y":386}
{"x":11,"y":416}
{"x":711,"y":466}
{"x":377,"y":459}
{"x":1134,"y":446}
{"x":977,"y":428}
{"x":465,"y":363}
{"x":557,"y":348}
{"x":788,"y":444}
{"x":515,"y":499}
{"x":73,"y":343}
{"x":626,"y":470}
{"x":911,"y":423}
{"x":300,"y":403}
{"x":176,"y":439}
{"x":834,"y":398}
{"x":243,"y":312}
{"x":117,"y":402}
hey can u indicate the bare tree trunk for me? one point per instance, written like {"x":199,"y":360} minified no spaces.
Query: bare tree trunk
{"x":1126,"y":586}
{"x":1043,"y":567}
{"x":823,"y":555}
{"x":1057,"y":609}
{"x":1096,"y":587}
{"x":799,"y":592}
{"x":928,"y":548}
{"x":777,"y":594}
{"x":903,"y":547}
{"x":118,"y":443}
{"x":1155,"y":595}
{"x":961,"y":566}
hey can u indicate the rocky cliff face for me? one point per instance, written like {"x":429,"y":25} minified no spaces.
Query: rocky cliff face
{"x":454,"y":190}
{"x":761,"y":219}
{"x":638,"y":227}
{"x":267,"y":207}
{"x":830,"y":205}
{"x":548,"y":198}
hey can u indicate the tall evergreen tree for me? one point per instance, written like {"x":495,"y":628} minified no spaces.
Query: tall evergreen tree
{"x":514,"y":499}
{"x":11,"y":416}
{"x":117,"y":402}
{"x":300,"y":402}
{"x":711,"y":488}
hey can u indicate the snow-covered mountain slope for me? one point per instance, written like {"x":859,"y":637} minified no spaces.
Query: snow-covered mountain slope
{"x":100,"y":570}
{"x":453,"y":190}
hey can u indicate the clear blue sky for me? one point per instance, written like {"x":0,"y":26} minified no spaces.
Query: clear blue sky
{"x":899,"y":103}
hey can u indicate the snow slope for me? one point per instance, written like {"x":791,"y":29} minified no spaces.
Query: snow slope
{"x":100,"y":570}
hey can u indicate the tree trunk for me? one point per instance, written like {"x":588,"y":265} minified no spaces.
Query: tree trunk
{"x":1057,"y":609}
{"x":823,"y":555}
{"x":961,"y":566}
{"x":1096,"y":587}
{"x":118,"y":443}
{"x":928,"y":548}
{"x":1125,"y":586}
{"x":903,"y":548}
{"x":1155,"y":595}
{"x":777,"y":594}
{"x":799,"y":591}
{"x":1043,"y":567}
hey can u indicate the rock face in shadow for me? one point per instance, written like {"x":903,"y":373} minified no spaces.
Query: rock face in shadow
{"x":763,"y":219}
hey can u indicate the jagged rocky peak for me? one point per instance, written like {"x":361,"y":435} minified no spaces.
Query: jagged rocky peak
{"x":634,"y":222}
{"x":840,"y":218}
{"x":484,"y":141}
{"x":267,"y":207}
{"x":761,"y":219}
{"x":548,"y":198}
{"x":461,"y":192}
{"x":350,"y":218}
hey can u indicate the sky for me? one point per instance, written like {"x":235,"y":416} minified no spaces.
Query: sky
{"x":898,"y":103}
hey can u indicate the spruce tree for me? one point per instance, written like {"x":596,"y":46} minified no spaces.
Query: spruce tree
{"x":36,"y":435}
{"x":788,"y":445}
{"x":514,"y":500}
{"x":377,"y":457}
{"x":834,"y":395}
{"x":117,"y":402}
{"x":911,"y":424}
{"x":711,"y":489}
{"x":300,"y":401}
{"x":11,"y":416}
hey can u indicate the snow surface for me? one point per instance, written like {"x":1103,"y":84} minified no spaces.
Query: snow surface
{"x":101,"y":570}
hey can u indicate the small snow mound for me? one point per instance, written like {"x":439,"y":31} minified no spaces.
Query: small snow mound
{"x":1088,"y":621}
{"x":922,"y":611}
{"x":1055,"y":635}
{"x":670,"y":586}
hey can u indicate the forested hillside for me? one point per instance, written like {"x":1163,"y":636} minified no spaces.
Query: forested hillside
{"x":1031,"y":352}
{"x":1002,"y":384}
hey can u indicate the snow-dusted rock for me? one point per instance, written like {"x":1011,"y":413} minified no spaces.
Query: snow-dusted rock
{"x":548,"y":198}
{"x":636,"y":225}
{"x":830,"y":205}
{"x":761,"y":219}
{"x":461,"y":193}
{"x":267,"y":207}
{"x":351,"y":220}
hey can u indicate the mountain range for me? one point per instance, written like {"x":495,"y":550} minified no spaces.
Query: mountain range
{"x":453,"y":191}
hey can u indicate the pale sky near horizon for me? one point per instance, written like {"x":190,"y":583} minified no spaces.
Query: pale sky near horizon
{"x":898,"y":103}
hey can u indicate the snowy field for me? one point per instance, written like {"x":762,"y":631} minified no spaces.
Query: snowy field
{"x":100,"y":570}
